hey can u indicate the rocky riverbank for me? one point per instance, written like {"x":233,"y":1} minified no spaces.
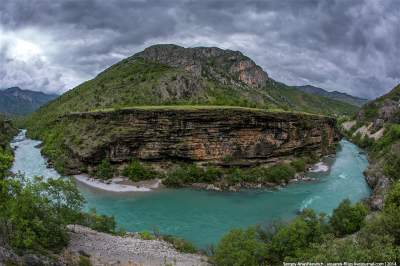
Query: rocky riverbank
{"x":104,"y":249}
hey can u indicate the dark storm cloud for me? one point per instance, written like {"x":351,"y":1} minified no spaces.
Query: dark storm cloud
{"x":351,"y":46}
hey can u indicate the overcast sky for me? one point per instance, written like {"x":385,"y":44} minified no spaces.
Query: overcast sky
{"x":351,"y":46}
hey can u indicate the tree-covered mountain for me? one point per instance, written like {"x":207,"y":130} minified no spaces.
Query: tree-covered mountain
{"x":173,"y":75}
{"x":335,"y":95}
{"x":15,"y":101}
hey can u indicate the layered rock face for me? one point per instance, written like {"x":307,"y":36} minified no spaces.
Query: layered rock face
{"x":195,"y":134}
{"x":225,"y":66}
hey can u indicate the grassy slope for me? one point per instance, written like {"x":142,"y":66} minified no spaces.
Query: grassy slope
{"x":137,"y":83}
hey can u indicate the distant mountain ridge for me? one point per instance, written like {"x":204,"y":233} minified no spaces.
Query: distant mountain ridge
{"x":15,"y":101}
{"x":336,"y":95}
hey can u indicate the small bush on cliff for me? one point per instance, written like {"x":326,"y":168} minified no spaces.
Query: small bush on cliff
{"x":348,"y":218}
{"x":240,"y":247}
{"x":137,"y":172}
{"x":105,"y":170}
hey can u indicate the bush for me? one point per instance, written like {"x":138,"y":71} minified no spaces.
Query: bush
{"x":392,"y":166}
{"x":188,"y":174}
{"x":240,"y":247}
{"x":347,"y":218}
{"x":212,"y":174}
{"x":84,"y":261}
{"x":105,"y":170}
{"x":145,"y":235}
{"x":278,"y":173}
{"x":236,"y":175}
{"x":101,"y":223}
{"x":180,"y":244}
{"x":299,"y":234}
{"x":34,"y":214}
{"x":299,"y":165}
{"x":6,"y":160}
{"x":135,"y":171}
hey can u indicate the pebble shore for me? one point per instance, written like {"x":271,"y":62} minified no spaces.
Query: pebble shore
{"x":105,"y":249}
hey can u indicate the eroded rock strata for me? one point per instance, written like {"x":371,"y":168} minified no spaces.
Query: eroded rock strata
{"x":246,"y":136}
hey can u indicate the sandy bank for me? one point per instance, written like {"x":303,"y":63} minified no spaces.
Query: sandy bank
{"x":118,"y":184}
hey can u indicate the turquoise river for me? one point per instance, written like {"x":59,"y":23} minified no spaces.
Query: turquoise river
{"x":202,"y":216}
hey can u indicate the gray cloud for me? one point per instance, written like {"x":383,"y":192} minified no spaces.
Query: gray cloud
{"x":350,"y":46}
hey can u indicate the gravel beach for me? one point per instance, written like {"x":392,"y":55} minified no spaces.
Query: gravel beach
{"x":105,"y":250}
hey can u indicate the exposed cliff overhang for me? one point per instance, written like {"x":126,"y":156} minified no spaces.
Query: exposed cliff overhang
{"x":209,"y":134}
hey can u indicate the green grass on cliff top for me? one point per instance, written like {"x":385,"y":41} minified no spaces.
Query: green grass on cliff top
{"x":197,"y":107}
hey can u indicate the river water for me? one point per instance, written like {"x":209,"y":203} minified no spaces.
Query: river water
{"x":203,"y":216}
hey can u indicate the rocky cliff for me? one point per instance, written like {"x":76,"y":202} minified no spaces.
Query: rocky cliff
{"x":208,"y":134}
{"x":226,"y":66}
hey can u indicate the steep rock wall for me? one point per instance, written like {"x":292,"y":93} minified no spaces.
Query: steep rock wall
{"x":250,"y":136}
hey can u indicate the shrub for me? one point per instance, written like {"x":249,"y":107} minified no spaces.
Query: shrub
{"x":136,"y":171}
{"x":84,"y":261}
{"x":236,"y":175}
{"x":6,"y":160}
{"x":299,"y":234}
{"x":177,"y":178}
{"x":34,"y":214}
{"x":101,"y":223}
{"x":299,"y":165}
{"x":391,"y":135}
{"x":240,"y":247}
{"x":212,"y":174}
{"x":180,"y":244}
{"x":279,"y":172}
{"x":145,"y":235}
{"x":105,"y":170}
{"x":348,"y":218}
{"x":188,"y":174}
{"x":392,"y":166}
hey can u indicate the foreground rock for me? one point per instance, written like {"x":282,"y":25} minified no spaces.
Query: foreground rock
{"x":105,"y":249}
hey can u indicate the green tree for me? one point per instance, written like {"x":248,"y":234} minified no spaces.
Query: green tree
{"x":240,"y":247}
{"x":136,"y":171}
{"x":34,"y":214}
{"x":290,"y":239}
{"x":348,"y":218}
{"x":105,"y":170}
{"x":6,"y":160}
